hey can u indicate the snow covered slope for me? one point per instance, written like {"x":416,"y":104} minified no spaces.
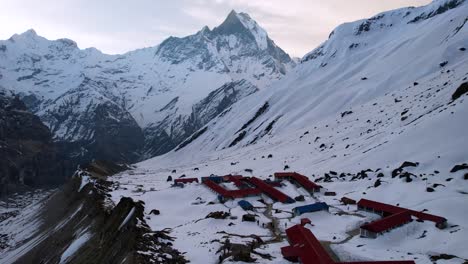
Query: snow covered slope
{"x":148,"y":93}
{"x":384,"y":69}
{"x":378,"y":92}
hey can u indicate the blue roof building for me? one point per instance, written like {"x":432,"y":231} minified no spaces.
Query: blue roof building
{"x":245,"y":205}
{"x":310,"y":208}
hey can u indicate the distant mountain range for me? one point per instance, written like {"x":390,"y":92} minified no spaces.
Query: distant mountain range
{"x":143,"y":103}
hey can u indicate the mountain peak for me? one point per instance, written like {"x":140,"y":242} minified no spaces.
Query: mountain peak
{"x":232,"y":13}
{"x":242,"y":23}
{"x":28,"y":35}
{"x":30,"y":32}
{"x":231,"y":21}
{"x":205,"y":30}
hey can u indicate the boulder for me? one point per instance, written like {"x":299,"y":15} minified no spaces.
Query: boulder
{"x":461,"y":90}
{"x":459,"y":167}
{"x":377,"y":183}
{"x":155,"y":212}
{"x":248,"y":218}
{"x":346,"y":201}
{"x":299,"y":198}
{"x":241,"y":253}
{"x":218,"y":215}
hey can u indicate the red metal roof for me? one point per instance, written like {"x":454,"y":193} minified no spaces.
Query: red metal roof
{"x":215,"y":187}
{"x":270,"y":191}
{"x":243,"y":193}
{"x":306,"y":248}
{"x":291,"y":253}
{"x":388,"y":222}
{"x":305,"y":221}
{"x":299,"y":178}
{"x":232,"y":177}
{"x":429,"y":217}
{"x":380,"y":262}
{"x":283,"y":174}
{"x":391,"y":209}
{"x":230,"y":193}
{"x":387,"y":208}
{"x":236,"y":179}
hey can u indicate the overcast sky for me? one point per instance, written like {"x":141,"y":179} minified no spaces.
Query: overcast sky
{"x":117,"y":26}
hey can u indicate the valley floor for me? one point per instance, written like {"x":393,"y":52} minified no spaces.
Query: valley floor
{"x":183,"y":211}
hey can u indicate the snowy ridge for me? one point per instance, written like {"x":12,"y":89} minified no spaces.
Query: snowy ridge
{"x":261,"y":37}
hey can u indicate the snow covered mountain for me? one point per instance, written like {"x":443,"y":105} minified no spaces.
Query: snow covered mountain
{"x":145,"y":101}
{"x":381,"y":61}
{"x":378,"y":111}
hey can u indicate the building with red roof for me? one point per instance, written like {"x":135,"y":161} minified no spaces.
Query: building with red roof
{"x":298,"y":179}
{"x":385,"y":224}
{"x":247,"y":187}
{"x":230,"y":194}
{"x":305,"y":221}
{"x":270,"y":190}
{"x":393,"y":216}
{"x":378,"y":208}
{"x":306,"y":248}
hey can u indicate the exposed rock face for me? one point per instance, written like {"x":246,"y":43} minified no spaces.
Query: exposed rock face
{"x":81,"y":225}
{"x":165,"y":136}
{"x":89,"y":123}
{"x":463,"y":89}
{"x":28,"y":155}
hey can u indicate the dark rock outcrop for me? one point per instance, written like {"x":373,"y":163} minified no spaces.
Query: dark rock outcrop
{"x":398,"y":171}
{"x":446,"y":6}
{"x":88,"y":128}
{"x":459,"y":167}
{"x":299,"y":198}
{"x":218,"y":215}
{"x":463,"y":89}
{"x":108,"y":233}
{"x":29,"y":156}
